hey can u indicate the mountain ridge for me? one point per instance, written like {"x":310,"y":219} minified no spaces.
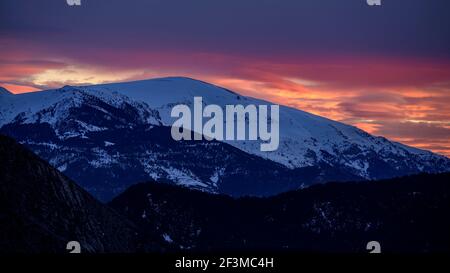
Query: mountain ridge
{"x":405,"y":215}
{"x":73,"y":127}
{"x":41,"y":210}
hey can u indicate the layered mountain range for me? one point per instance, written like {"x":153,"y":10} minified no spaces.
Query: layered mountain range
{"x":108,"y":137}
{"x":41,"y":210}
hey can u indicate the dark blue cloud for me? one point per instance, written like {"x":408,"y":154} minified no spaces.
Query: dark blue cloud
{"x":261,"y":27}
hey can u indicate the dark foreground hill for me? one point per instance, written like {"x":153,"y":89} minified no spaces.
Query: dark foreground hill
{"x":41,"y":210}
{"x":408,"y":214}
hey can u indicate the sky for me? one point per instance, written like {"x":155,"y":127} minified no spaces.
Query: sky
{"x":385,"y":69}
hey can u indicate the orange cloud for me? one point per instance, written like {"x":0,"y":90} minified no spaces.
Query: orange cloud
{"x":403,"y":99}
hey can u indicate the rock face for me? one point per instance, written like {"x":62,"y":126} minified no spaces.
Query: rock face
{"x":41,"y":210}
{"x":107,"y":137}
{"x":404,"y":215}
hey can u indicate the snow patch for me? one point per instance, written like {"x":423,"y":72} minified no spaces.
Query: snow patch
{"x":167,"y":238}
{"x":107,"y":143}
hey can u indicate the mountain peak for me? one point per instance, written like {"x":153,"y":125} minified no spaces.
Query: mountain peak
{"x":160,"y":91}
{"x":177,"y":78}
{"x":172,"y":81}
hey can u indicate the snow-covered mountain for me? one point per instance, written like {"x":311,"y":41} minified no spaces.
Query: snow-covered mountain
{"x":109,"y":136}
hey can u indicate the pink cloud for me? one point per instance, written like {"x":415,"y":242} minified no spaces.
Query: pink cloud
{"x":394,"y":97}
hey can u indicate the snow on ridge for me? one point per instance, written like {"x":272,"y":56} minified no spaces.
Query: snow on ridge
{"x":305,"y":138}
{"x":51,"y":106}
{"x":164,"y":92}
{"x":183,"y":177}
